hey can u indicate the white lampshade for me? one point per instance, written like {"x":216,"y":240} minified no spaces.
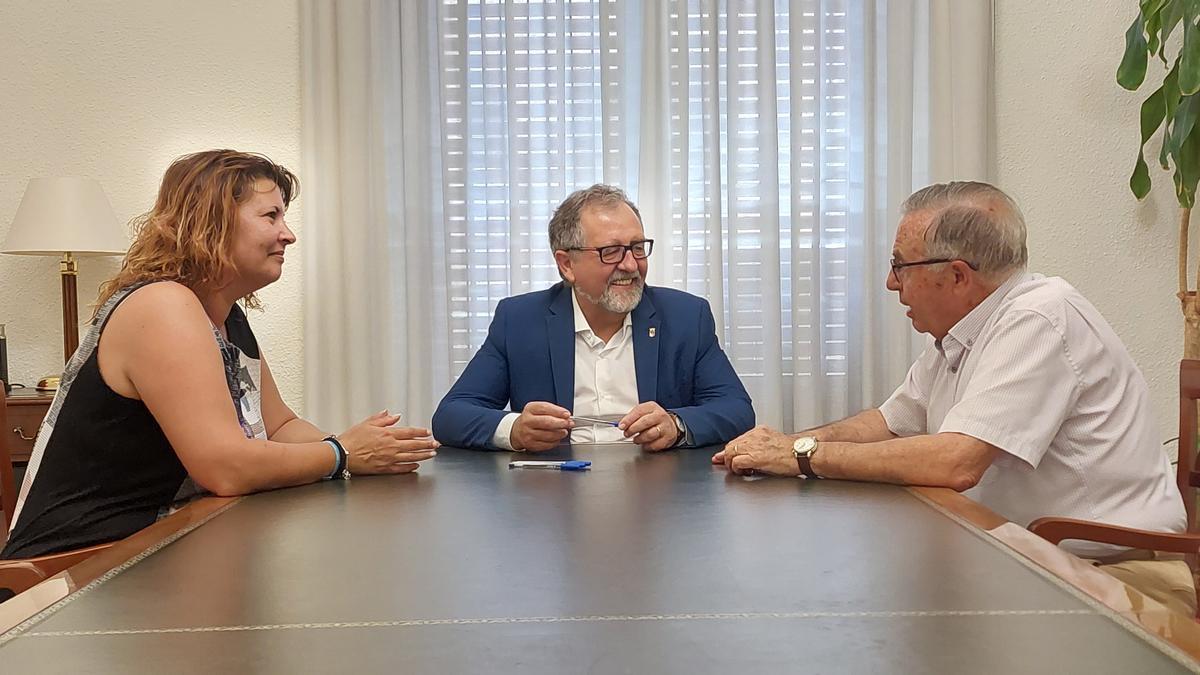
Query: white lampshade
{"x":65,"y":215}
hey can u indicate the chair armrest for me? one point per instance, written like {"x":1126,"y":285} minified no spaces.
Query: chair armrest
{"x":22,"y":574}
{"x":18,"y":576}
{"x":1055,"y":530}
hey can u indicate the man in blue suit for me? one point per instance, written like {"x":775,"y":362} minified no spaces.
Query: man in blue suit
{"x":601,"y":345}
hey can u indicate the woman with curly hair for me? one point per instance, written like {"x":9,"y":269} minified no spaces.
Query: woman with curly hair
{"x":168,"y":395}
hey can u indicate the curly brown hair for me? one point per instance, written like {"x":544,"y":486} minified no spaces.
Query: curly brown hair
{"x":188,"y":235}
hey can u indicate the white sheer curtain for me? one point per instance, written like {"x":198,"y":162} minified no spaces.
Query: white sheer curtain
{"x":768,"y":145}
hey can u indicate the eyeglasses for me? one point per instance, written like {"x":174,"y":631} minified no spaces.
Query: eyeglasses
{"x":897,"y":266}
{"x":611,"y":255}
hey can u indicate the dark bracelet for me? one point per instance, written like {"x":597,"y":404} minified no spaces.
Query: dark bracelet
{"x":343,"y":458}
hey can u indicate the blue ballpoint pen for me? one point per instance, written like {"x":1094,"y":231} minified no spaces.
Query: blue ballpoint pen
{"x":566,"y":465}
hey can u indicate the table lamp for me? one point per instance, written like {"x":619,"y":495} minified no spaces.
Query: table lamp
{"x":67,"y":217}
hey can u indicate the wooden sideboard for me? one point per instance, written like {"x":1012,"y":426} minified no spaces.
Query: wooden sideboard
{"x":26,"y":408}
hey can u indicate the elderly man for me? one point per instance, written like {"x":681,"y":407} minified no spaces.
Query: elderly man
{"x":1026,"y":398}
{"x":600,"y":345}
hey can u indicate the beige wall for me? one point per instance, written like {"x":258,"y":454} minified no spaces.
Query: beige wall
{"x":116,"y":89}
{"x":1066,"y":142}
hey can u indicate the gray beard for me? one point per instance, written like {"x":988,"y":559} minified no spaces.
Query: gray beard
{"x":616,"y":301}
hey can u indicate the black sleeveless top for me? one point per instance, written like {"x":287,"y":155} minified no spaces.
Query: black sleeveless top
{"x":102,"y":468}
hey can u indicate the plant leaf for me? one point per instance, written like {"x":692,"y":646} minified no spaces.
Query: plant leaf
{"x":1189,"y":57}
{"x":1188,"y":169}
{"x":1151,"y":9}
{"x":1132,"y":70}
{"x":1171,"y":98}
{"x":1139,"y":182}
{"x":1171,"y":17}
{"x":1153,"y":28}
{"x":1178,"y":187}
{"x":1182,"y":125}
{"x":1152,"y":114}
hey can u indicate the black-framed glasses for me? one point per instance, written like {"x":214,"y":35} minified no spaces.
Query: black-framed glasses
{"x":897,"y":266}
{"x":611,"y":255}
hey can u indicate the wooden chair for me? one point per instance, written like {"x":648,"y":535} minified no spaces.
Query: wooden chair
{"x":8,"y":486}
{"x":1187,"y":477}
{"x":18,"y":576}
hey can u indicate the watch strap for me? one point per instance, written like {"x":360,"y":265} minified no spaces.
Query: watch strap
{"x":680,"y":428}
{"x":805,"y":464}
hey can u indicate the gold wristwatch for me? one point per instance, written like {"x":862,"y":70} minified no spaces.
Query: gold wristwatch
{"x":803,"y":450}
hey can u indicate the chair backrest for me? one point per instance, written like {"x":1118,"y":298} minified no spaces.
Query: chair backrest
{"x":1186,"y":474}
{"x":8,"y":486}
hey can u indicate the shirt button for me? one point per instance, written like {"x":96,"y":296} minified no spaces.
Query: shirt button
{"x":954,"y":369}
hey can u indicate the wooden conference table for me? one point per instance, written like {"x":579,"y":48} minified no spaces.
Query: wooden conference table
{"x":647,"y":563}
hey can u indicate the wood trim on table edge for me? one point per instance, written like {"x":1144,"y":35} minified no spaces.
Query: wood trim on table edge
{"x":25,"y":608}
{"x":1158,"y":622}
{"x":973,"y":512}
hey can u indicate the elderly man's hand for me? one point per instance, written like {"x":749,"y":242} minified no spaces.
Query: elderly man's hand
{"x":650,"y":426}
{"x":762,"y":450}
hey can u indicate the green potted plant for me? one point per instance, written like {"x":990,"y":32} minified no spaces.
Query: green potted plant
{"x":1175,"y":105}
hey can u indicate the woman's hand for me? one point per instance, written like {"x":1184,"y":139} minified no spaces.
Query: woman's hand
{"x":375,"y":446}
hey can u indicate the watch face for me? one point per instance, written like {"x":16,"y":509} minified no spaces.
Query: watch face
{"x":804,"y":446}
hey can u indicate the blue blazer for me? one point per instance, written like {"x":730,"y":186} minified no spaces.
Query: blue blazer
{"x":529,"y":355}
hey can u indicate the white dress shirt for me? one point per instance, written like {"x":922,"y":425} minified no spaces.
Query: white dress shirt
{"x":1037,"y":372}
{"x":605,"y":383}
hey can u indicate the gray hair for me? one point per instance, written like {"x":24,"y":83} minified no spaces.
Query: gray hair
{"x":975,"y":222}
{"x":566,"y":229}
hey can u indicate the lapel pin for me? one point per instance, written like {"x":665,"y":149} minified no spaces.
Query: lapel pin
{"x":652,"y":331}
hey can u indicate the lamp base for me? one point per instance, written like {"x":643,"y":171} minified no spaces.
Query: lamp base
{"x":49,"y":383}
